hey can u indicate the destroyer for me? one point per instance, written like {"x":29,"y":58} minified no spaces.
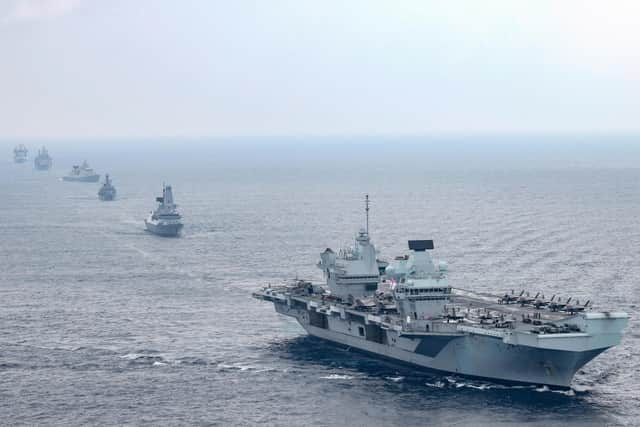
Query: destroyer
{"x":107,"y":192}
{"x":20,"y":154}
{"x":165,"y":220}
{"x":82,"y":173}
{"x":43,"y":160}
{"x":411,"y":314}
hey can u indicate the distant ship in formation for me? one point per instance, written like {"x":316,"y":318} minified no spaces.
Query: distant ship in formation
{"x":43,"y":160}
{"x":165,"y":220}
{"x":20,"y":154}
{"x":107,"y":192}
{"x":82,"y":173}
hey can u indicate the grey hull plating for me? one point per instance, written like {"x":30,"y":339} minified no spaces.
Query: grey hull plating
{"x":468,"y":355}
{"x":171,"y":230}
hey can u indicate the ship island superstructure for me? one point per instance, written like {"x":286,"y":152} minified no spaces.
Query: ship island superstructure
{"x":43,"y":160}
{"x":82,"y":173}
{"x":20,"y":154}
{"x":107,"y":192}
{"x":165,"y":220}
{"x":412,"y":315}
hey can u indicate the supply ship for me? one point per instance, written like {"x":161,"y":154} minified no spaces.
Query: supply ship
{"x":43,"y":160}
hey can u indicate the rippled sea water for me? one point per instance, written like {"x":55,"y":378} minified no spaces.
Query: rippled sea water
{"x":103,"y":323}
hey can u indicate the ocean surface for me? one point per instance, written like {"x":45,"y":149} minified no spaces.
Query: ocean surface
{"x":102,"y":323}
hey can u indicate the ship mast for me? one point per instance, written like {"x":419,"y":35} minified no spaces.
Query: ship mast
{"x":366,"y":204}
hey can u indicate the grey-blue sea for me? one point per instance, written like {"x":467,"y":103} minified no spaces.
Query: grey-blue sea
{"x":102,"y":323}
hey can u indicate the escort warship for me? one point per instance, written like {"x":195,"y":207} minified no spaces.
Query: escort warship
{"x":165,"y":220}
{"x":82,"y":173}
{"x":107,"y":192}
{"x":43,"y":160}
{"x":411,"y":314}
{"x":20,"y":154}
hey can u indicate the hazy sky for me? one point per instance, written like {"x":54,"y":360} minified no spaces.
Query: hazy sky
{"x":194,"y":68}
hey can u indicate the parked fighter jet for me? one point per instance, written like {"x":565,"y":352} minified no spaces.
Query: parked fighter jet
{"x":510,"y":298}
{"x":558,"y":306}
{"x":526,"y":300}
{"x":542,"y":302}
{"x":576,"y":308}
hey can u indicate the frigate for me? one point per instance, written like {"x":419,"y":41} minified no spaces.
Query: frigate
{"x":82,"y":173}
{"x":107,"y":192}
{"x":165,"y":220}
{"x":20,"y":154}
{"x":410,"y":314}
{"x":43,"y":160}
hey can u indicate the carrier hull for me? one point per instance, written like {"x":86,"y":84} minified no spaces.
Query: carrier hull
{"x":468,"y":355}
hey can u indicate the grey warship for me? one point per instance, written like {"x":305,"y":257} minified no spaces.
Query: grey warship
{"x":107,"y":192}
{"x":82,"y":173}
{"x":20,"y":154}
{"x":165,"y":220}
{"x":43,"y":160}
{"x":410,"y":314}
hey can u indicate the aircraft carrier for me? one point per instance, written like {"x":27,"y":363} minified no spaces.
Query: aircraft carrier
{"x":410,"y":314}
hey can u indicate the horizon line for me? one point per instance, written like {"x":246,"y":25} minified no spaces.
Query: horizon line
{"x":443,"y":134}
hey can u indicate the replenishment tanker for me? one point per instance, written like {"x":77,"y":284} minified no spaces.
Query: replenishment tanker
{"x":107,"y":192}
{"x":412,"y":315}
{"x":20,"y":154}
{"x":165,"y":220}
{"x":43,"y":160}
{"x":82,"y":173}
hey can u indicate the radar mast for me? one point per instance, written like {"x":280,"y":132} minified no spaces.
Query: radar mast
{"x":366,"y":204}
